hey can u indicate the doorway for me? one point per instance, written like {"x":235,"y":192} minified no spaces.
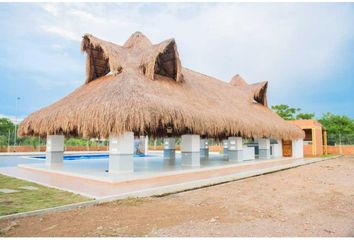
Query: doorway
{"x":287,"y":148}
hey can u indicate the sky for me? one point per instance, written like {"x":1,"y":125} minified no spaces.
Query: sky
{"x":304,"y":50}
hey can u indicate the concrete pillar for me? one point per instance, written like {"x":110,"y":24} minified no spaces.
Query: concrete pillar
{"x":248,"y":153}
{"x":298,"y":148}
{"x":190,"y":148}
{"x":204,"y":149}
{"x":235,"y":150}
{"x":226,"y":146}
{"x":121,"y":152}
{"x":277,"y":149}
{"x":169,"y":150}
{"x":143,"y":144}
{"x":264,"y":148}
{"x":55,"y":150}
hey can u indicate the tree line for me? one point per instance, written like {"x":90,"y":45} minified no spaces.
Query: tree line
{"x":7,"y":138}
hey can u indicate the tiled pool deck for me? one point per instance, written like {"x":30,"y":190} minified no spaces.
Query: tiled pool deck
{"x":89,"y":178}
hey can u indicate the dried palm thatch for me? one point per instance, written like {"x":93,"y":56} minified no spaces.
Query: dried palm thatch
{"x":255,"y":91}
{"x":142,"y":87}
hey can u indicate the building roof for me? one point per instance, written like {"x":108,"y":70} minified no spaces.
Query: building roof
{"x":142,"y":87}
{"x":306,"y":123}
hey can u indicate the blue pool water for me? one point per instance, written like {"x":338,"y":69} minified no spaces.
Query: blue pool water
{"x":91,"y":156}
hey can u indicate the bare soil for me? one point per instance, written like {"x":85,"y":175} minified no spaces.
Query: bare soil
{"x":312,"y":200}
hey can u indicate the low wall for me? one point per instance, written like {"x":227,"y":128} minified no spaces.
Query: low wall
{"x":43,"y":148}
{"x":211,"y":148}
{"x":308,"y":151}
{"x":83,"y":148}
{"x":346,"y":150}
{"x":22,"y":149}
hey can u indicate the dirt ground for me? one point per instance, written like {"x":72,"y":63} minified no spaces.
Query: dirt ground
{"x":312,"y":200}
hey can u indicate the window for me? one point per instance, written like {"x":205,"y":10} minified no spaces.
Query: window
{"x":308,"y":135}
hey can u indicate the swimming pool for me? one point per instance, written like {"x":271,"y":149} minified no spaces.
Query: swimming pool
{"x":91,"y":156}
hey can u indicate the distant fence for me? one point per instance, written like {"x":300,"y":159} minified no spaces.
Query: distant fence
{"x":22,"y":149}
{"x":43,"y":148}
{"x":344,"y":149}
{"x":86,"y":148}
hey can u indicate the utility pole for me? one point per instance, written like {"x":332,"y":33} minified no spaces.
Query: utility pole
{"x":8,"y":140}
{"x":17,"y":100}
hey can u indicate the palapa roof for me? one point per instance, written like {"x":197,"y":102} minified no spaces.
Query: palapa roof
{"x":142,"y":87}
{"x":256,"y":91}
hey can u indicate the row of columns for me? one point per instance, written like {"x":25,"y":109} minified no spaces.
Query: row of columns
{"x":193,"y":149}
{"x":234,"y":148}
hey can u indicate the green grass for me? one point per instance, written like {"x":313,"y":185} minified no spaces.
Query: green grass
{"x":28,"y":200}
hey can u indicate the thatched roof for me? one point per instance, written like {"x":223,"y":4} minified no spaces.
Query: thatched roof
{"x":142,"y":87}
{"x":255,"y":91}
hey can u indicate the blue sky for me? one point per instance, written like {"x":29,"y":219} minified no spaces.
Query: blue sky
{"x":305,"y":51}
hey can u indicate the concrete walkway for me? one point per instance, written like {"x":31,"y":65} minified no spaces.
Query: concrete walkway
{"x":153,"y":185}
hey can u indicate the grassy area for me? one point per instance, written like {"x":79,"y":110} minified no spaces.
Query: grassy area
{"x":28,"y":200}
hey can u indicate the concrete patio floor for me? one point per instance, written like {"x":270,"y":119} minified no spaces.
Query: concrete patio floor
{"x":144,"y":167}
{"x":151,"y":176}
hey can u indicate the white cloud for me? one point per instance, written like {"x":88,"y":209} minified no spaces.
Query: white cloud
{"x":51,"y":8}
{"x":287,"y":44}
{"x":57,"y":46}
{"x":12,"y":118}
{"x":46,"y":83}
{"x":84,"y":15}
{"x":61,"y":32}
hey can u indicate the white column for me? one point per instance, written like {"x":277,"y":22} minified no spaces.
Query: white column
{"x":55,"y":150}
{"x":264,"y":148}
{"x":235,"y":149}
{"x":121,"y":152}
{"x":226,"y":145}
{"x":298,"y":148}
{"x":190,"y":148}
{"x":277,"y":149}
{"x":204,"y":148}
{"x":169,"y":150}
{"x":143,"y":144}
{"x":248,"y":153}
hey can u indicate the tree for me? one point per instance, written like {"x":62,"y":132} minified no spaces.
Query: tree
{"x":285,"y":111}
{"x":7,"y":129}
{"x":305,"y":116}
{"x":340,"y":128}
{"x":289,"y":113}
{"x":5,"y":126}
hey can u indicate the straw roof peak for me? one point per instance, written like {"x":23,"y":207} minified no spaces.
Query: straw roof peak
{"x":260,"y":92}
{"x":139,"y":39}
{"x":138,"y":55}
{"x":237,"y":80}
{"x":255,"y":91}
